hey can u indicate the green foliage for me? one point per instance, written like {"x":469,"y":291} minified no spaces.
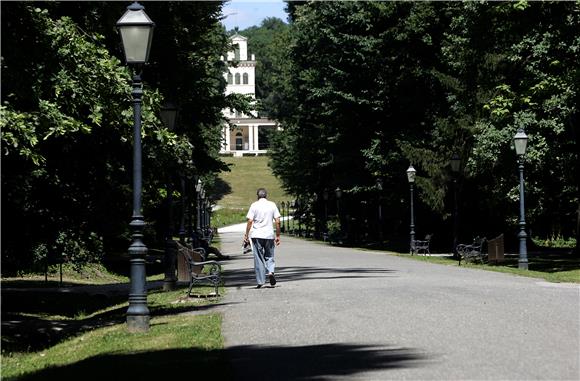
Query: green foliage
{"x":78,"y":251}
{"x":268,"y":42}
{"x":365,"y":88}
{"x":66,"y":121}
{"x":556,"y":241}
{"x":333,"y":227}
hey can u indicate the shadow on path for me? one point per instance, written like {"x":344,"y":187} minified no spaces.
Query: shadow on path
{"x":243,"y":277}
{"x":252,"y":362}
{"x":319,"y":362}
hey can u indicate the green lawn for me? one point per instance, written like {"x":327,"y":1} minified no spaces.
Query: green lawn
{"x":240,"y":185}
{"x":560,"y":269}
{"x":68,"y":339}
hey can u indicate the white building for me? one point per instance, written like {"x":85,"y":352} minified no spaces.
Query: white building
{"x":250,"y":134}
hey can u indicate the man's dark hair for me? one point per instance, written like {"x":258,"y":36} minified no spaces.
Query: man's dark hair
{"x":262,"y":193}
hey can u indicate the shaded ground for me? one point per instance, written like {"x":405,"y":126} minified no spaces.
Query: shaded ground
{"x":38,"y":318}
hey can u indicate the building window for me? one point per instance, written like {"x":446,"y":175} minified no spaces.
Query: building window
{"x":230,"y":79}
{"x":237,"y":52}
{"x":245,"y":78}
{"x":237,"y":78}
{"x":239,"y":141}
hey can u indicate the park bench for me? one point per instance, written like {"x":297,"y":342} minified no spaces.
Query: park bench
{"x":471,"y":252}
{"x":495,"y":249}
{"x":422,"y":245}
{"x":203,"y":241}
{"x":200,"y":270}
{"x":337,"y":238}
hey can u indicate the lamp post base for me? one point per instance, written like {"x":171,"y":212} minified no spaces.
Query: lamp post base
{"x":138,"y":323}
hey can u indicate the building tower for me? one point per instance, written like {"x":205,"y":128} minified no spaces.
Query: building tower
{"x":250,"y":134}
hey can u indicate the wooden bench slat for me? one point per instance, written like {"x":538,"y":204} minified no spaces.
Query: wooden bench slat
{"x":196,"y":263}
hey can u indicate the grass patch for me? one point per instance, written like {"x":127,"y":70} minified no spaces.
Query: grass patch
{"x":173,"y":343}
{"x":227,"y":216}
{"x":93,"y":273}
{"x":75,"y":336}
{"x":564,"y":269}
{"x":246,"y":176}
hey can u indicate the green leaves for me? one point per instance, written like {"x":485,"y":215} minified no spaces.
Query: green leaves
{"x":67,"y":120}
{"x":368,"y":87}
{"x":18,"y":133}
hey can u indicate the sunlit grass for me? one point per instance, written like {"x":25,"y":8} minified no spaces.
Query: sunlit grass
{"x":109,"y":343}
{"x":102,"y":350}
{"x":246,"y":176}
{"x":510,"y":267}
{"x":90,"y":274}
{"x":227,"y":216}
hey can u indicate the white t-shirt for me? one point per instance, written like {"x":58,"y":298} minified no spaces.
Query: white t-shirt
{"x":263,"y":213}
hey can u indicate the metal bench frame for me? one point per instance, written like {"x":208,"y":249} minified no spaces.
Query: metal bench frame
{"x":422,"y":245}
{"x":200,"y":270}
{"x":473,"y":251}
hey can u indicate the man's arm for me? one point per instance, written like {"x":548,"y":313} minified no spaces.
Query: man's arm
{"x":248,"y":227}
{"x":277,"y":240}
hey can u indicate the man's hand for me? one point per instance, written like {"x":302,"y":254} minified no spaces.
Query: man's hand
{"x":277,"y":241}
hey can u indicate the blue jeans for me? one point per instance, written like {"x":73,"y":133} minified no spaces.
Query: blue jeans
{"x":263,"y":258}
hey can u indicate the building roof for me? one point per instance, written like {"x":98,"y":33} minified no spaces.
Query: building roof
{"x":239,"y":36}
{"x":260,"y":121}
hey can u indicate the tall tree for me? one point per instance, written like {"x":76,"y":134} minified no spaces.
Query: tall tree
{"x":67,"y":121}
{"x":373,"y":86}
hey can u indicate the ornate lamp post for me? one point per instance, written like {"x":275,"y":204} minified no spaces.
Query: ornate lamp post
{"x":338,"y":194}
{"x":288,"y":217}
{"x":282,"y":205}
{"x":136,"y":30}
{"x":325,"y":198}
{"x":520,"y":143}
{"x":168,"y":115}
{"x":294,"y":206}
{"x":411,"y":178}
{"x":198,"y":187}
{"x":380,"y":188}
{"x":298,"y":206}
{"x":203,"y":210}
{"x":455,"y":165}
{"x":183,"y":207}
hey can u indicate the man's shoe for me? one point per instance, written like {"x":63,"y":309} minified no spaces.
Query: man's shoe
{"x":259,"y":286}
{"x":272,"y":280}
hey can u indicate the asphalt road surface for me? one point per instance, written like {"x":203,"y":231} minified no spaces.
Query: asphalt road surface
{"x":347,"y":314}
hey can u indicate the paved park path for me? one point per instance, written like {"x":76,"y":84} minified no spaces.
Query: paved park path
{"x":347,"y":314}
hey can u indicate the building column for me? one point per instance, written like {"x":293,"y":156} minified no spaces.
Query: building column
{"x":251,"y":137}
{"x":256,"y":136}
{"x":228,"y":137}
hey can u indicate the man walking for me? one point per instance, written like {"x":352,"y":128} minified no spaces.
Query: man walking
{"x":259,"y":228}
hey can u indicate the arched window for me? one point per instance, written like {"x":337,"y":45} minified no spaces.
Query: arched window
{"x":230,"y":79}
{"x":245,"y":78}
{"x":237,"y":78}
{"x":237,"y":52}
